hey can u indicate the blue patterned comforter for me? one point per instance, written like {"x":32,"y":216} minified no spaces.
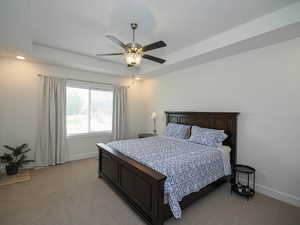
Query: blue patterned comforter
{"x":188,"y":167}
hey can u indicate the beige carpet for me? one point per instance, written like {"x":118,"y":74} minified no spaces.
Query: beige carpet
{"x":73,"y":195}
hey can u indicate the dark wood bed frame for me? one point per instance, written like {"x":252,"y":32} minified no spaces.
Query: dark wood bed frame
{"x":143,"y":187}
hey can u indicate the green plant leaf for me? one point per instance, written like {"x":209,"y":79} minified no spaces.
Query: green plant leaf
{"x":17,"y":156}
{"x":9,"y":147}
{"x":17,"y":152}
{"x":6,"y":158}
{"x":25,"y":151}
{"x":22,"y":146}
{"x":21,"y":160}
{"x":20,"y":150}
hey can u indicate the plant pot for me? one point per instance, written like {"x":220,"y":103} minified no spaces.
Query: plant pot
{"x":12,"y":170}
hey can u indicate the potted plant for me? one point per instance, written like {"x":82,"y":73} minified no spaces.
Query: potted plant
{"x":15,"y":159}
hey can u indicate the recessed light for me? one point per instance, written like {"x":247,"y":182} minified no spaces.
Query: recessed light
{"x":20,"y":57}
{"x":137,"y":78}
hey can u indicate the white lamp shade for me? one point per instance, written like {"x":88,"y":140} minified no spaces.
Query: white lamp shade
{"x":153,"y":115}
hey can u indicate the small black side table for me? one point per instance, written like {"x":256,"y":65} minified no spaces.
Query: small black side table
{"x":145,"y":135}
{"x":243,"y":189}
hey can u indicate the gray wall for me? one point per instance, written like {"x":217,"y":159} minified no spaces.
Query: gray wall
{"x":263,"y":85}
{"x":19,"y":96}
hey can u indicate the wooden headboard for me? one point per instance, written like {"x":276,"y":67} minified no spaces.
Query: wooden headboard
{"x":226,"y":121}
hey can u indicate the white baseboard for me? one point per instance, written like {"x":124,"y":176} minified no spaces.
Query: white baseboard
{"x":273,"y":193}
{"x":83,"y":156}
{"x":290,"y":199}
{"x":72,"y":158}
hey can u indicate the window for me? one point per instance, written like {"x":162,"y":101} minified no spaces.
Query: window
{"x":89,"y":110}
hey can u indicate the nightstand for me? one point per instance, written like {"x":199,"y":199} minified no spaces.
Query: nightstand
{"x":145,"y":135}
{"x":245,"y":189}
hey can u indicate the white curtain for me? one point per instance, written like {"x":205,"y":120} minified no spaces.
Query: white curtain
{"x":51,"y":147}
{"x":119,"y":113}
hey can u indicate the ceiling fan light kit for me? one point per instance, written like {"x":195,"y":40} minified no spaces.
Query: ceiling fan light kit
{"x":133,"y":58}
{"x":134,"y":52}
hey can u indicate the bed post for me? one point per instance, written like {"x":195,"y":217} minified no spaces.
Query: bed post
{"x":99,"y":162}
{"x":139,"y":185}
{"x":158,"y":203}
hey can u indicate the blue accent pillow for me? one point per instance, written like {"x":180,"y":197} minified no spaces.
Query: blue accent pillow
{"x":209,"y":137}
{"x":177,"y":130}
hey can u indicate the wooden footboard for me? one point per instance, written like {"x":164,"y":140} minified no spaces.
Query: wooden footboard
{"x":141,"y":186}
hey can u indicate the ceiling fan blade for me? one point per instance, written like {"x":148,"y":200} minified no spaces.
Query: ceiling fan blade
{"x":154,"y":45}
{"x":108,"y":54}
{"x":129,"y":65}
{"x":116,"y":40}
{"x":153,"y":58}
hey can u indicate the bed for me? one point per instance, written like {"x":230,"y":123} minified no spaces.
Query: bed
{"x":144,"y":186}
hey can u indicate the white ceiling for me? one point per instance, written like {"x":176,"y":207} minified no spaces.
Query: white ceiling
{"x":80,"y":26}
{"x":77,"y":26}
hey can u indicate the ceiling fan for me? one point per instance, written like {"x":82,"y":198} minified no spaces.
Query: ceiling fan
{"x":134,"y":51}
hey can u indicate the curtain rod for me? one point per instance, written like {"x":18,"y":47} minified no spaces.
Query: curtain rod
{"x":41,"y":75}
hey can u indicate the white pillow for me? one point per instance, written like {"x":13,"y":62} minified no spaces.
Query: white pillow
{"x":177,"y":130}
{"x":209,"y":137}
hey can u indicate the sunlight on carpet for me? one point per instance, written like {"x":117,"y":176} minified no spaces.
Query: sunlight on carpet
{"x":22,"y":176}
